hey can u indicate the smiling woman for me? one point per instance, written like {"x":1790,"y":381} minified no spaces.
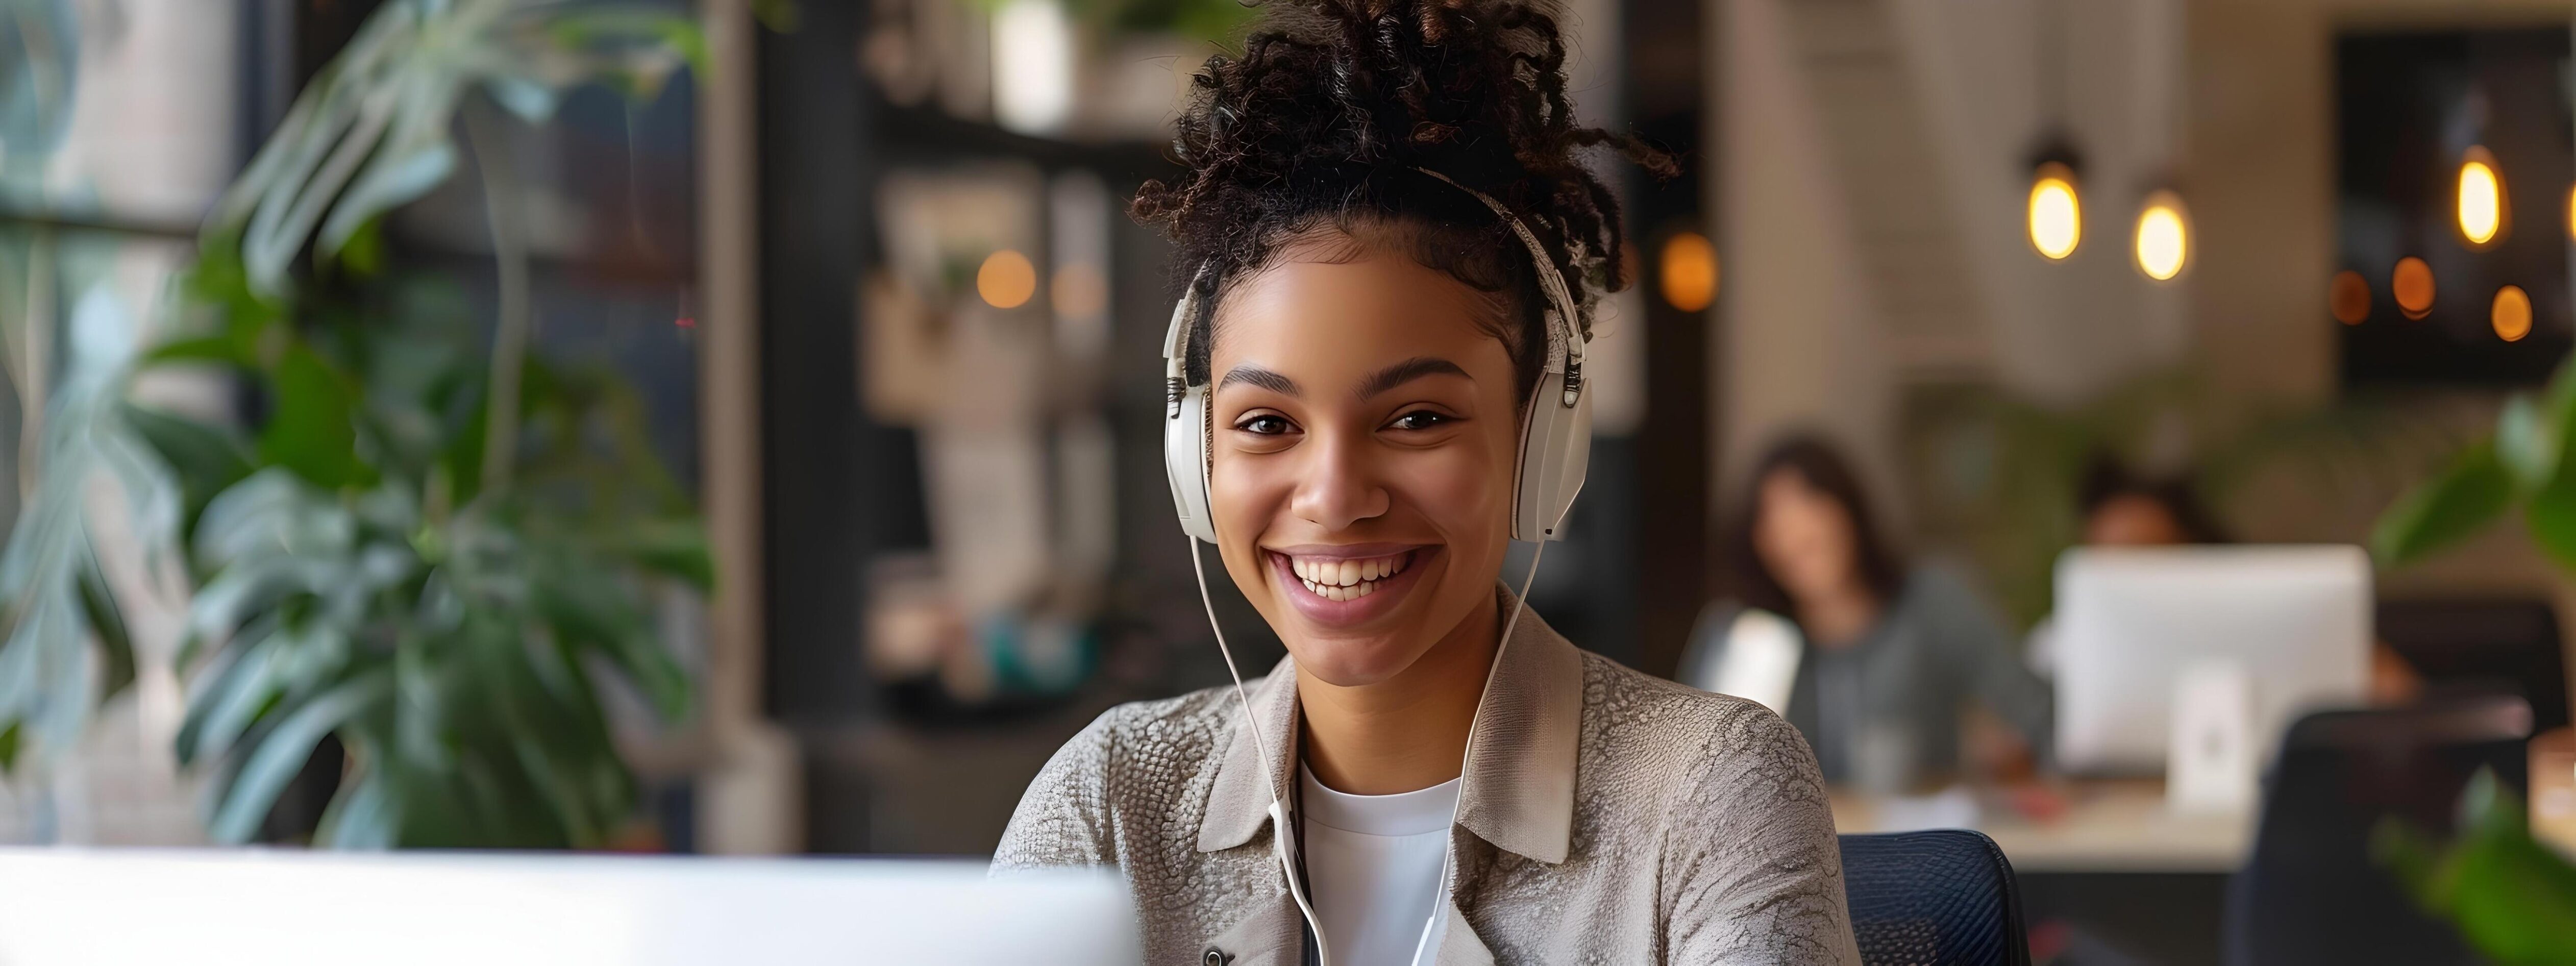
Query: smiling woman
{"x":1391,"y":250}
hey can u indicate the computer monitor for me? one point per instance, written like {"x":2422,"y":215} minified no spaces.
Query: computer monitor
{"x":2129,"y":621}
{"x":220,"y":908}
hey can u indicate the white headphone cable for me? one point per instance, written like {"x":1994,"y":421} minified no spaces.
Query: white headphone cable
{"x":1449,"y":851}
{"x":1281,"y":834}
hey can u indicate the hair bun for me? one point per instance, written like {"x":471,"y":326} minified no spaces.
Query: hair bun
{"x":1333,"y":103}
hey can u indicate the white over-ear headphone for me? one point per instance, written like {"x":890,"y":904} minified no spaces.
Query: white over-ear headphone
{"x":1556,"y":444}
{"x":1556,"y":425}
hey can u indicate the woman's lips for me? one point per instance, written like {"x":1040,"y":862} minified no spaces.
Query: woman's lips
{"x":1345,"y":586}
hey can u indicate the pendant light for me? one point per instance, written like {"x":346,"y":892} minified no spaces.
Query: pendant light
{"x":2055,"y":212}
{"x":2162,"y":242}
{"x":2482,"y":211}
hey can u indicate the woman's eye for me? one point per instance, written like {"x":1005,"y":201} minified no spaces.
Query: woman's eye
{"x":1418,"y":420}
{"x":1264,"y":425}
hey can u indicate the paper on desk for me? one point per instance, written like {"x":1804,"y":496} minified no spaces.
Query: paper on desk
{"x":2210,"y":764}
{"x":1952,"y":807}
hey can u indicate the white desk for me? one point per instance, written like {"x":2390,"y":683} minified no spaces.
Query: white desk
{"x":2107,"y":827}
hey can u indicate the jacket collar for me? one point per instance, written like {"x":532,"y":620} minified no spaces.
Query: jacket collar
{"x":1519,"y":790}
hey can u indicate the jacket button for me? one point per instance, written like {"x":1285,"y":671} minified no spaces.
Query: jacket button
{"x":1214,"y":957}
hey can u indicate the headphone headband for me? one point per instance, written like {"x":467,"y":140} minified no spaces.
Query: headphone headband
{"x":1566,"y":335}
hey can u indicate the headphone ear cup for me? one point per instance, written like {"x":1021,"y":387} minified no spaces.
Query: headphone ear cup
{"x":1185,"y":463}
{"x":1556,"y":448}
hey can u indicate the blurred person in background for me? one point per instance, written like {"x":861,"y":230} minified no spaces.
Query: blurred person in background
{"x":2121,"y":509}
{"x":1372,"y":327}
{"x":1876,"y":661}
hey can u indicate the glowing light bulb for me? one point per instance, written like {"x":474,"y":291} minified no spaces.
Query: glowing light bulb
{"x":2481,"y":197}
{"x":2412,"y":283}
{"x":1006,"y":280}
{"x":1689,"y":271}
{"x":2056,"y":217}
{"x":2511,"y":314}
{"x":2163,"y":243}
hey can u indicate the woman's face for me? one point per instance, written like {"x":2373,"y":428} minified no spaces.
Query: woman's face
{"x":1805,"y":537}
{"x":1360,"y":475}
{"x":2134,"y":520}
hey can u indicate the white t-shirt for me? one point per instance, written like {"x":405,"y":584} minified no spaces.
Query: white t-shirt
{"x":1373,"y":866}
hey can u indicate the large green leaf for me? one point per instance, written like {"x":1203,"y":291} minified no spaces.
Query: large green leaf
{"x":372,"y":131}
{"x":208,"y":348}
{"x":230,"y":693}
{"x":273,"y":513}
{"x":2513,"y":898}
{"x":2528,"y":443}
{"x":204,"y":460}
{"x":63,"y":641}
{"x":366,"y":815}
{"x":2550,"y":517}
{"x":312,"y":430}
{"x":390,"y":183}
{"x":281,"y":753}
{"x":107,"y":625}
{"x":2467,"y":497}
{"x":588,"y":615}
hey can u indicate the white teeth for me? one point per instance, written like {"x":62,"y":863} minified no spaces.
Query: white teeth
{"x":1339,"y":591}
{"x":1345,"y":579}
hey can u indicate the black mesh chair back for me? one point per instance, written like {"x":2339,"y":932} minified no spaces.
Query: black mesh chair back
{"x":1938,"y":898}
{"x":2466,"y":646}
{"x":2312,"y":893}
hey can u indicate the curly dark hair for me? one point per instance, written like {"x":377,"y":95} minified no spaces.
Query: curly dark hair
{"x":1326,"y":122}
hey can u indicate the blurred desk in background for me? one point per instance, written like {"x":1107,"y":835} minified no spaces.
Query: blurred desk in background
{"x":2108,"y":826}
{"x":2116,"y":878}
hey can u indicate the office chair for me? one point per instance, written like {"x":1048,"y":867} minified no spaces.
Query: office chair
{"x":1937,"y":898}
{"x":2483,"y":646}
{"x":2312,"y":893}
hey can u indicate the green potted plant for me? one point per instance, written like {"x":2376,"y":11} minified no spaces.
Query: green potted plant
{"x":2512,"y":897}
{"x":435,"y":551}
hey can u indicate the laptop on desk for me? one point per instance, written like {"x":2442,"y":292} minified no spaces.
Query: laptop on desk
{"x":74,"y":907}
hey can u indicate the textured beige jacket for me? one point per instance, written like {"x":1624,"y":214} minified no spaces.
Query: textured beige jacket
{"x":1606,"y":817}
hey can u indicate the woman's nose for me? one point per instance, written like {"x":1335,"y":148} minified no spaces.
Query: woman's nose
{"x":1338,"y":487}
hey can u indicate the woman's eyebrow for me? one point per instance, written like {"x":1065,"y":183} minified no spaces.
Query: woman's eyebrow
{"x":1261,"y":377}
{"x":1408,"y":371}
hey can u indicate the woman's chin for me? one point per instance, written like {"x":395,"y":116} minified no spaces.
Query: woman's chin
{"x":1354,"y":662}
